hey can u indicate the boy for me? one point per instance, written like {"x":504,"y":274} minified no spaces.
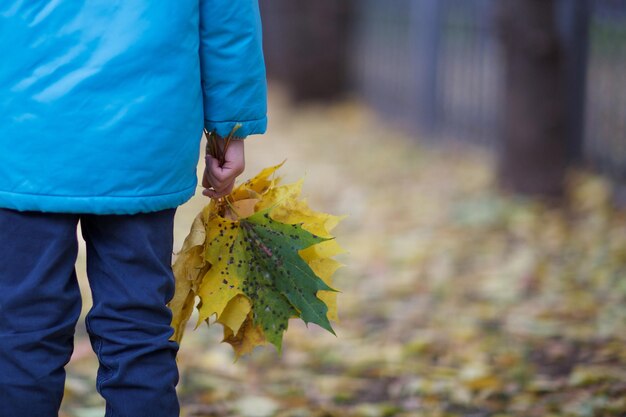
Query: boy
{"x":102,"y":106}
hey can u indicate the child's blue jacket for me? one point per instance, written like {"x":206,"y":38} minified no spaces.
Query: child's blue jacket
{"x":102,"y":102}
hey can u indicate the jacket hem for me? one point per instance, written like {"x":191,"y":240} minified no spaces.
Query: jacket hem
{"x":94,"y":204}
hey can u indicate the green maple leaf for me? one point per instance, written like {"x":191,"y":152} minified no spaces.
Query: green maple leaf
{"x":258,"y":256}
{"x":280,"y":284}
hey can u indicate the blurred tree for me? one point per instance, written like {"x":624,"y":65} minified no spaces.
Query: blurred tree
{"x":306,"y":45}
{"x":535,"y":153}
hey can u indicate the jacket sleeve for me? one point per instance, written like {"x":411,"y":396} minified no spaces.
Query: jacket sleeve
{"x":234,"y":85}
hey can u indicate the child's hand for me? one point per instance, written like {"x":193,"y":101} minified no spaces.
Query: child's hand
{"x":222,"y":179}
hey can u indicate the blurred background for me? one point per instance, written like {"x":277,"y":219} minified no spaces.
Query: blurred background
{"x":478,"y":71}
{"x":478,"y":149}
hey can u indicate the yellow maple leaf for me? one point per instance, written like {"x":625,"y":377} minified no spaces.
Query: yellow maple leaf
{"x":325,"y":268}
{"x":220,"y":284}
{"x":235,"y":313}
{"x":257,"y":185}
{"x":244,"y":341}
{"x":188,"y":268}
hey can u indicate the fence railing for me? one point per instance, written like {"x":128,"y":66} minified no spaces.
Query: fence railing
{"x":436,"y":66}
{"x":432,"y":65}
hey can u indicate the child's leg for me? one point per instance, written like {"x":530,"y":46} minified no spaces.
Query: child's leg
{"x":130,"y":276}
{"x":39,"y":306}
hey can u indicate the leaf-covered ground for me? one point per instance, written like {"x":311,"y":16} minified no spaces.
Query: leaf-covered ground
{"x":456,"y":300}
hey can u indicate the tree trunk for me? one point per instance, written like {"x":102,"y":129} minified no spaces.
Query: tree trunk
{"x":534,"y":155}
{"x":306,"y":45}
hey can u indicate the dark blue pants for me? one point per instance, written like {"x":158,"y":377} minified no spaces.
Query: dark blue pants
{"x":131,"y":281}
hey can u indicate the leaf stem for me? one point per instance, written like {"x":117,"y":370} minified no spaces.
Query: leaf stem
{"x":232,"y":207}
{"x":214,"y":149}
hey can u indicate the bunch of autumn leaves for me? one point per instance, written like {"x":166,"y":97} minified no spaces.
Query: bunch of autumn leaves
{"x":255,"y":259}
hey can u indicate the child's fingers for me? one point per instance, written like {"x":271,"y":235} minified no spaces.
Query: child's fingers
{"x":229,"y":188}
{"x":209,"y":179}
{"x":223,"y":189}
{"x":220,"y":177}
{"x":219,"y":181}
{"x":219,"y":193}
{"x":209,"y":193}
{"x":220,"y":173}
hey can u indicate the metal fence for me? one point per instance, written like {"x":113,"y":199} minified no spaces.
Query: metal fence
{"x":436,"y":66}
